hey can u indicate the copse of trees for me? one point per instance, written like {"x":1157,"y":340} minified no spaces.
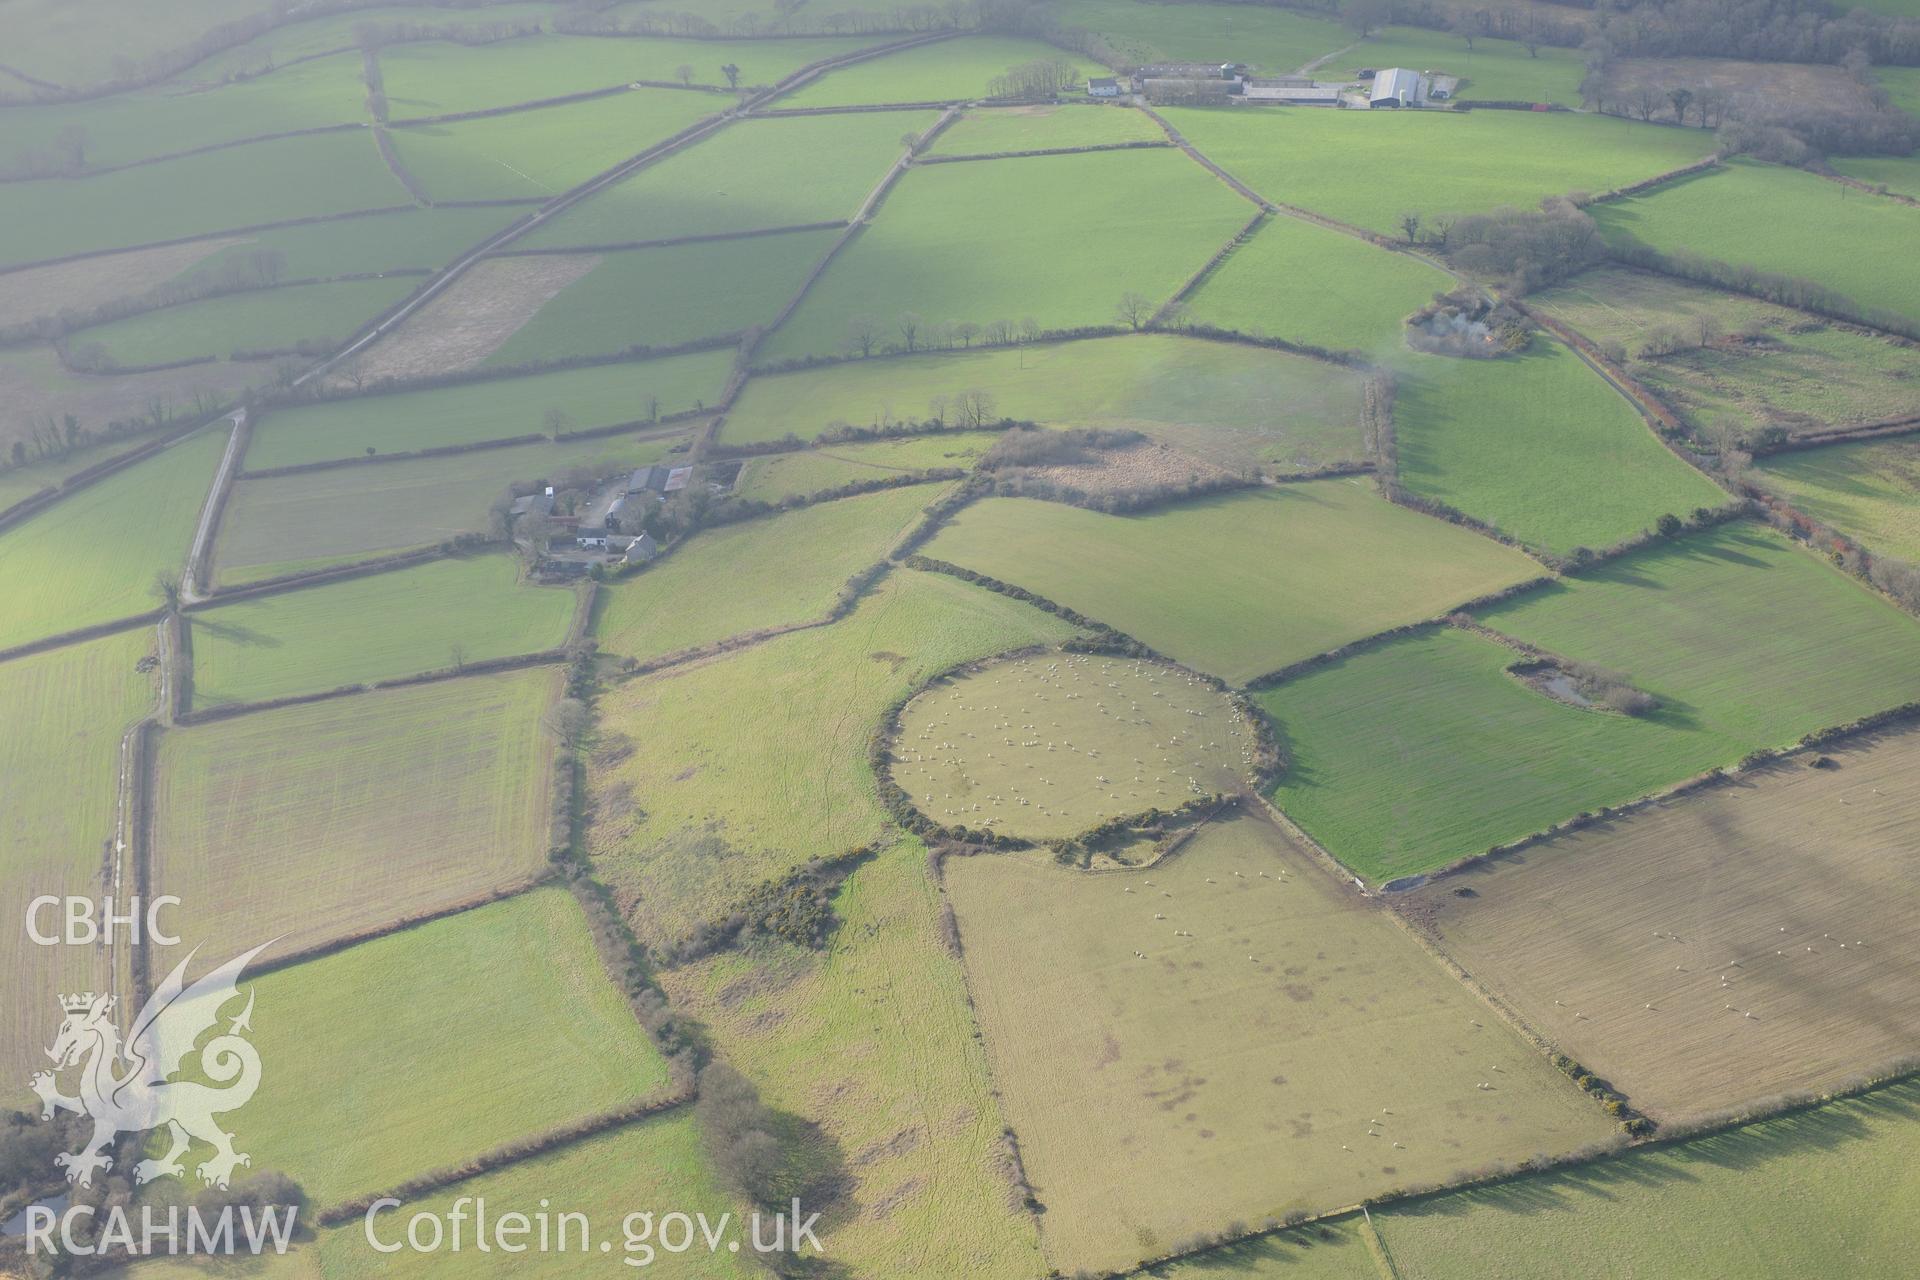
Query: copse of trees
{"x":1521,"y":250}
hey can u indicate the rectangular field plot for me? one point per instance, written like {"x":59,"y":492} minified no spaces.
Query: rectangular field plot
{"x":1750,"y":214}
{"x":1737,"y":631}
{"x":491,"y":409}
{"x":540,"y":153}
{"x":1238,"y":1036}
{"x":434,"y":78}
{"x":750,"y":176}
{"x":770,"y":572}
{"x":1821,"y":1192}
{"x":1762,"y":367}
{"x":166,"y":119}
{"x":1868,"y":491}
{"x":296,"y":523}
{"x":438,"y":615}
{"x":515,"y":986}
{"x":657,"y":1162}
{"x":316,"y":822}
{"x":874,"y":1041}
{"x":1898,"y":174}
{"x":1305,"y":283}
{"x":700,"y":812}
{"x":233,"y":187}
{"x":429,"y":238}
{"x":948,"y":71}
{"x":1538,"y":446}
{"x":1446,"y":162}
{"x":776,"y":476}
{"x":318,"y":316}
{"x":1057,"y":238}
{"x":687,"y":292}
{"x":988,"y":130}
{"x":1235,"y":406}
{"x":1409,"y":755}
{"x":60,"y":779}
{"x":1641,"y":947}
{"x":1237,"y":585}
{"x":92,"y":558}
{"x":1273,"y":41}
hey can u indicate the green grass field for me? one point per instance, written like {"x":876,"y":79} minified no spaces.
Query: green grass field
{"x":1749,"y":214}
{"x":1868,"y":491}
{"x":1538,"y":446}
{"x":692,"y":291}
{"x":494,"y":409}
{"x":706,"y":807}
{"x":1898,"y":174}
{"x":1737,"y":629}
{"x":1491,"y":71}
{"x":658,"y":1165}
{"x":235,"y":187}
{"x":434,"y":78}
{"x":55,"y":41}
{"x":502,"y":1019}
{"x":258,"y":320}
{"x":314,"y":822}
{"x":1242,"y":584}
{"x":1446,"y":163}
{"x":1273,"y":41}
{"x":374,"y":628}
{"x":295,"y":523}
{"x":170,"y":118}
{"x":989,"y":130}
{"x":776,"y":476}
{"x":1125,"y":718}
{"x":429,"y":238}
{"x":92,"y":558}
{"x":1234,"y":405}
{"x":59,"y":779}
{"x":749,"y":176}
{"x":777,"y":571}
{"x":1409,"y":755}
{"x":1058,"y":238}
{"x":873,"y":1040}
{"x":1819,"y":1192}
{"x":1161,"y":1084}
{"x":1801,"y":373}
{"x":1901,"y":83}
{"x":1304,"y":283}
{"x":544,"y":152}
{"x":949,"y":71}
{"x":1421,"y":751}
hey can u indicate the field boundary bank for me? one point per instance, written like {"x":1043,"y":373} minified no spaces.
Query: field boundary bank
{"x":79,"y":635}
{"x":218,"y":595}
{"x":395,"y":166}
{"x":1146,"y":144}
{"x":1377,"y":1247}
{"x":859,"y":108}
{"x":1871,"y":189}
{"x":672,"y":242}
{"x":1645,"y":185}
{"x":99,"y":171}
{"x":507,"y":1154}
{"x":1179,"y":296}
{"x":376,"y":328}
{"x":1888,"y":429}
{"x":200,"y":552}
{"x":34,"y":503}
{"x":282,"y":224}
{"x":439,"y":675}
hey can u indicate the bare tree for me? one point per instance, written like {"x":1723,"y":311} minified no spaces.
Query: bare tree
{"x":966,"y":331}
{"x":1133,"y":310}
{"x":569,"y":721}
{"x":732,"y":73}
{"x":910,"y":323}
{"x":457,"y":656}
{"x":937,"y":410}
{"x":1364,"y":17}
{"x":1680,"y":98}
{"x":1646,"y":101}
{"x":555,"y":422}
{"x":862,"y":332}
{"x":166,"y":589}
{"x":1410,"y":223}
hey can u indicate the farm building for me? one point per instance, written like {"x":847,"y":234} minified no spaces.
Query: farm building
{"x":659,"y":479}
{"x":1189,"y":91}
{"x":533,"y":504}
{"x":1397,"y":87}
{"x":1187,"y":71}
{"x":595,"y":538}
{"x":641,"y":550}
{"x":1305,"y":93}
{"x":1103,"y":87}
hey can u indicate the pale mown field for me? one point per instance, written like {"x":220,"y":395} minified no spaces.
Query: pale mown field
{"x":1642,"y":946}
{"x":1237,"y":1036}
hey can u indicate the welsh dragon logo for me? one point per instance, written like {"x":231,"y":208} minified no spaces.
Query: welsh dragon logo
{"x":125,"y":1086}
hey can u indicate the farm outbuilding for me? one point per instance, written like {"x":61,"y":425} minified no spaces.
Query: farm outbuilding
{"x":1304,"y":94}
{"x":1103,"y":87}
{"x":1397,"y":87}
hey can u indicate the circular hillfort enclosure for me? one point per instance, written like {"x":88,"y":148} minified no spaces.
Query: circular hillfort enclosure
{"x":1054,"y":744}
